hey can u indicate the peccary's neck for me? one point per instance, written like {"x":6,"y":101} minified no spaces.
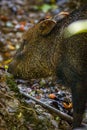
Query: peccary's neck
{"x":78,"y":14}
{"x":57,"y":34}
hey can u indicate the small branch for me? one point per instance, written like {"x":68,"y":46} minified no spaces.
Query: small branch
{"x":60,"y":114}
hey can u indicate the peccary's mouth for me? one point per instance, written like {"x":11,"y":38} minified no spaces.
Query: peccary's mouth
{"x":12,"y":67}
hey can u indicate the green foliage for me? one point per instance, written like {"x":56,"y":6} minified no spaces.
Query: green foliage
{"x":11,"y":84}
{"x":46,"y":7}
{"x":76,"y":28}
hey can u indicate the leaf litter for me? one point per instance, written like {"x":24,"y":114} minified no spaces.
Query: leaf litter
{"x":16,"y":111}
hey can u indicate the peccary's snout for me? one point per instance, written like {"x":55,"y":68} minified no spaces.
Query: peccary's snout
{"x":12,"y":67}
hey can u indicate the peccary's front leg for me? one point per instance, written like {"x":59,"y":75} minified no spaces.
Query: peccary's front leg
{"x":79,"y":97}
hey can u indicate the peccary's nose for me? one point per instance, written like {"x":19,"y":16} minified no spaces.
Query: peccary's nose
{"x":10,"y":68}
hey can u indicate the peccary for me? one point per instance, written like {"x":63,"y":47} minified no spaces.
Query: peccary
{"x":45,"y":51}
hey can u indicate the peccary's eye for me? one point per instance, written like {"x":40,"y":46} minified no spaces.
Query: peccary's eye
{"x":24,"y":43}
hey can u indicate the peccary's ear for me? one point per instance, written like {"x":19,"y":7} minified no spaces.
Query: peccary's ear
{"x":46,"y":26}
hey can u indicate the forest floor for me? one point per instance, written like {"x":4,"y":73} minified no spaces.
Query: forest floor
{"x":18,"y":112}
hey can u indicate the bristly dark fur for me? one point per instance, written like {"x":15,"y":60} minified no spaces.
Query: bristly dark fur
{"x":46,"y":52}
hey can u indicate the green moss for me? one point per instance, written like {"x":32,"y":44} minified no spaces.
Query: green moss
{"x":13,"y":86}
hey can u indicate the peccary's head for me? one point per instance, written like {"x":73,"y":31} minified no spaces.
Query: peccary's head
{"x":36,"y":56}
